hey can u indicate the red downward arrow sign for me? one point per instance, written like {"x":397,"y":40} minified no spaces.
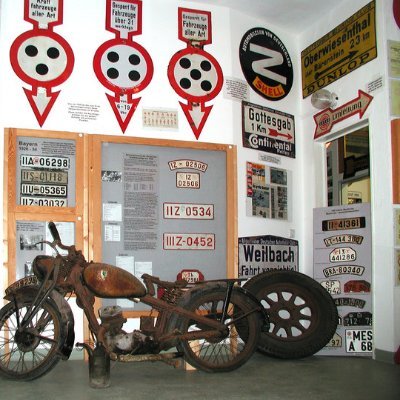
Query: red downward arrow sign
{"x":325,"y":119}
{"x":196,"y":115}
{"x":41,"y":102}
{"x":124,"y":107}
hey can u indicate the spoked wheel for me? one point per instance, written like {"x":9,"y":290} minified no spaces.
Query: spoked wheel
{"x":28,"y":353}
{"x":230,"y":349}
{"x":303,"y":316}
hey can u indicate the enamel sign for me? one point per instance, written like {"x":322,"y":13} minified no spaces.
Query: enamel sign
{"x":122,"y":65}
{"x":268,"y":130}
{"x":40,"y":57}
{"x":266,"y":64}
{"x":325,"y":119}
{"x":347,"y":47}
{"x":193,"y":73}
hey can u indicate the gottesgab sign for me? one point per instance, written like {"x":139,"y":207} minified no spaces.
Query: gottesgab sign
{"x":328,"y":117}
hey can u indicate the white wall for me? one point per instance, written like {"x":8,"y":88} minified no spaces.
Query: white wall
{"x":249,"y":226}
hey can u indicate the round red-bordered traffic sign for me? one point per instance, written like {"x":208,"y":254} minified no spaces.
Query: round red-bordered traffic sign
{"x":42,"y":58}
{"x":195,"y":75}
{"x":123,"y":66}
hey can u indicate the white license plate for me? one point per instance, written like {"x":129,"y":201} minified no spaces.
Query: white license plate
{"x":188,"y":180}
{"x":359,"y":341}
{"x":189,"y":241}
{"x":42,"y":201}
{"x":44,"y":162}
{"x":44,"y":190}
{"x":333,"y":287}
{"x":188,"y":211}
{"x":342,"y":254}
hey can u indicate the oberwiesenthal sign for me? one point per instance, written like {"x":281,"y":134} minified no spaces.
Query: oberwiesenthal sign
{"x":347,"y":47}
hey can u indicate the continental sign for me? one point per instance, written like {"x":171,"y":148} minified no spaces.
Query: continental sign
{"x":344,"y":49}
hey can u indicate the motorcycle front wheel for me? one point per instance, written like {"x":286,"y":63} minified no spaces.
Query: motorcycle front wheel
{"x":230,"y":350}
{"x":29,"y":353}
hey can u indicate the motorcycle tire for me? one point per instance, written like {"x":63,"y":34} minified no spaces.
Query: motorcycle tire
{"x":31,"y":353}
{"x":303,"y":316}
{"x":224,"y":353}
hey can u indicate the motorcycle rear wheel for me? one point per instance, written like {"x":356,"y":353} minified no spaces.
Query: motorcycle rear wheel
{"x":32,"y":352}
{"x":228,"y":352}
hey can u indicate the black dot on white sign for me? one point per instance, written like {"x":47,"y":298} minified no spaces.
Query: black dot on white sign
{"x":195,"y":74}
{"x":124,"y":66}
{"x":42,"y":58}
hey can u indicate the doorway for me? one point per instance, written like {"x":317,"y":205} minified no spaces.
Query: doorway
{"x":348,"y":172}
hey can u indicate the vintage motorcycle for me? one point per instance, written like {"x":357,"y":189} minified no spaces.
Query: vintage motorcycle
{"x":214,"y":325}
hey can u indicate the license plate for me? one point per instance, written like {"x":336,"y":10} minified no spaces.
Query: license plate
{"x":359,"y":341}
{"x":188,"y":211}
{"x":44,"y":190}
{"x":336,"y":341}
{"x":45,"y":177}
{"x":344,"y":270}
{"x":342,"y":254}
{"x":44,"y":162}
{"x":332,"y":287}
{"x":42,"y":201}
{"x":27,"y":281}
{"x":343,"y":224}
{"x":189,"y":241}
{"x":188,"y":180}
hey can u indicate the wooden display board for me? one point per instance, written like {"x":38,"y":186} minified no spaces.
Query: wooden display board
{"x":41,"y":184}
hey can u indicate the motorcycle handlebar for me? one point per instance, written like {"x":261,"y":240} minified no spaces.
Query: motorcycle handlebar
{"x":54,"y":232}
{"x":56,"y":237}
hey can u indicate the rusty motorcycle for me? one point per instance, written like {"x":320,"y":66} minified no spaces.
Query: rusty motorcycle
{"x":214,"y":326}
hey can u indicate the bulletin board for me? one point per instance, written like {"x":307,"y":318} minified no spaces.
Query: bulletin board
{"x":162,"y":207}
{"x":41,"y":185}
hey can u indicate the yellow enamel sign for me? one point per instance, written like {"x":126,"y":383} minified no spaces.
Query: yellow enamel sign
{"x":347,"y":47}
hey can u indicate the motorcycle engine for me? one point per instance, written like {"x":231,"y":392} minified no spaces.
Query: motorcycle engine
{"x":117,"y":340}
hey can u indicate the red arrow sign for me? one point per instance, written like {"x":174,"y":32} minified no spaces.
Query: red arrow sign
{"x":196,"y":115}
{"x":325,"y":119}
{"x":275,"y":133}
{"x":41,"y":102}
{"x":124,"y":107}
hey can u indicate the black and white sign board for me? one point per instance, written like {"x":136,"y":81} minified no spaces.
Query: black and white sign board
{"x":259,"y":254}
{"x":268,"y":130}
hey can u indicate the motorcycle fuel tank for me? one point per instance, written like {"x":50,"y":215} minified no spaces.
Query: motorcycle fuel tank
{"x":112,"y":282}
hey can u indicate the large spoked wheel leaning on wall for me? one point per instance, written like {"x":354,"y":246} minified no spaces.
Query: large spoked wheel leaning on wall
{"x":303,"y":316}
{"x":231,"y":349}
{"x":29,"y":353}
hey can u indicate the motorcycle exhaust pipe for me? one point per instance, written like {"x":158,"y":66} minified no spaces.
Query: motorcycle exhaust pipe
{"x":99,"y":366}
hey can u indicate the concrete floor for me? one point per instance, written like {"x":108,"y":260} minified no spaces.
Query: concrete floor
{"x":317,"y":377}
